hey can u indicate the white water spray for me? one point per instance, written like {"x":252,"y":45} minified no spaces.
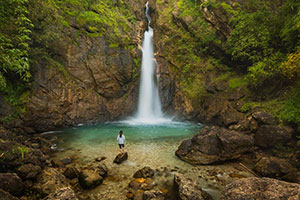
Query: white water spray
{"x":149,"y":106}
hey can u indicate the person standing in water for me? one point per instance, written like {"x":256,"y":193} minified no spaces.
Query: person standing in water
{"x":121,"y":141}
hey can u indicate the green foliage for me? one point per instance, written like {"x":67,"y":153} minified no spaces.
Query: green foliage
{"x":15,"y":31}
{"x":291,"y":108}
{"x":238,"y":82}
{"x":22,"y":150}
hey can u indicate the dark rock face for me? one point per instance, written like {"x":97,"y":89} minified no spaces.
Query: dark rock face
{"x":188,"y":190}
{"x":273,"y":167}
{"x":6,"y":196}
{"x":263,"y":118}
{"x":121,"y":157}
{"x":214,"y":144}
{"x":63,"y":194}
{"x":268,"y":135}
{"x":145,"y":172}
{"x":89,"y":179}
{"x":11,"y":183}
{"x":261,"y":188}
{"x":28,"y":171}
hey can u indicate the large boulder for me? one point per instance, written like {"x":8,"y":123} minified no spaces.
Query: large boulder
{"x":187,"y":189}
{"x":49,"y":181}
{"x":6,"y":196}
{"x":145,"y":172}
{"x":89,"y":178}
{"x":121,"y":157}
{"x":261,"y":188}
{"x":214,"y":144}
{"x":28,"y":171}
{"x":11,"y":183}
{"x":273,"y":167}
{"x":65,"y":193}
{"x":269,"y":136}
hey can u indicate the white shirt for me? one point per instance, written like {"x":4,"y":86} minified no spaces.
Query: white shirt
{"x":121,"y":140}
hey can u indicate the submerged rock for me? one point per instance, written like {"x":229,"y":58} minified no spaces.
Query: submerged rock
{"x":63,"y":194}
{"x":121,"y":157}
{"x":89,"y":179}
{"x":145,"y":172}
{"x":11,"y":183}
{"x":186,"y":189}
{"x":261,"y":188}
{"x":214,"y":144}
{"x":153,"y":195}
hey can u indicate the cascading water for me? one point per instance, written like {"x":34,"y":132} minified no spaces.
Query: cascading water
{"x":149,"y":106}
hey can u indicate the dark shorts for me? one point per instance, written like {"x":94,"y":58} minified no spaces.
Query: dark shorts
{"x":121,"y":145}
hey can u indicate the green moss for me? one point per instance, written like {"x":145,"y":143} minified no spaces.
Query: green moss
{"x":238,"y":82}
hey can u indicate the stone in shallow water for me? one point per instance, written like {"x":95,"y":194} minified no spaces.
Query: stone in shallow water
{"x":187,"y":189}
{"x":121,"y":157}
{"x":89,"y":179}
{"x":145,"y":172}
{"x":71,"y":172}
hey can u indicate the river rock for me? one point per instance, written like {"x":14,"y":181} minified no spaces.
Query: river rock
{"x":214,"y":144}
{"x":11,"y":183}
{"x":121,"y":157}
{"x":71,"y":172}
{"x":6,"y":196}
{"x":261,"y":188}
{"x":28,"y":171}
{"x":263,"y":118}
{"x":269,"y":136}
{"x":145,"y":172}
{"x":89,"y":178}
{"x":153,"y":195}
{"x":273,"y":167}
{"x":103,"y":170}
{"x":187,"y":189}
{"x":65,"y":193}
{"x":49,"y":181}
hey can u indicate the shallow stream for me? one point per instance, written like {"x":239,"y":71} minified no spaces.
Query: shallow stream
{"x":147,"y":145}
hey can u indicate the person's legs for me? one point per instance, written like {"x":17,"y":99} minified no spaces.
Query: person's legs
{"x":120,"y":146}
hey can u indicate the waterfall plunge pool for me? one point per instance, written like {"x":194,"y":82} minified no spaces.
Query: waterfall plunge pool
{"x":147,"y":145}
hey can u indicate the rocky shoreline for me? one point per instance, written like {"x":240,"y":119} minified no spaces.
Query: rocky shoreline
{"x":29,"y":172}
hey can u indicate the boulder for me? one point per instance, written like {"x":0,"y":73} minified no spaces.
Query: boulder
{"x":145,"y":172}
{"x":153,"y":195}
{"x":268,"y":135}
{"x":263,"y":118}
{"x":65,"y":193}
{"x":11,"y":183}
{"x":273,"y":167}
{"x":28,"y":171}
{"x":121,"y":157}
{"x":71,"y":172}
{"x":187,"y":189}
{"x":261,"y":188}
{"x":6,"y":196}
{"x":89,"y":178}
{"x":49,"y":181}
{"x":103,"y":170}
{"x":214,"y":144}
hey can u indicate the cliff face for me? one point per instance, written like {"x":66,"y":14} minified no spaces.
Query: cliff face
{"x":95,"y":81}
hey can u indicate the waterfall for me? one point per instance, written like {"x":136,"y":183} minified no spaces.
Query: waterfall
{"x":149,"y":106}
